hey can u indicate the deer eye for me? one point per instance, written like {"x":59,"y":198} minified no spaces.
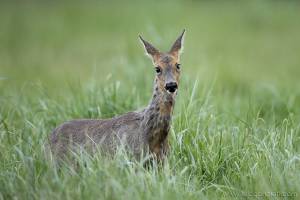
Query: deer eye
{"x":158,"y":70}
{"x":177,"y":66}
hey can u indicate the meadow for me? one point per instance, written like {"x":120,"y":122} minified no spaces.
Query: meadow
{"x":236,"y":127}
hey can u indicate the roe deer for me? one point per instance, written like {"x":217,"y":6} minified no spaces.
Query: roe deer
{"x":140,"y":131}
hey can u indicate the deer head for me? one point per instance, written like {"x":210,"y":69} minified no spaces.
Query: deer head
{"x":167,"y":65}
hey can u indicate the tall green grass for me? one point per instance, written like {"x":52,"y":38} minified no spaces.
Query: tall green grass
{"x":235,"y":130}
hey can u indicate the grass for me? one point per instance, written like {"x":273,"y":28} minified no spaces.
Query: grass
{"x":236,"y":127}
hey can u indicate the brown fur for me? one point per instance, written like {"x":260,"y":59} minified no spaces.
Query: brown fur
{"x":140,"y":131}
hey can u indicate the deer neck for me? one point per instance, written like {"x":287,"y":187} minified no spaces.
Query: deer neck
{"x":157,"y":117}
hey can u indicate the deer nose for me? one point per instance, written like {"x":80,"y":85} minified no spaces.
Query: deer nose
{"x":171,"y":87}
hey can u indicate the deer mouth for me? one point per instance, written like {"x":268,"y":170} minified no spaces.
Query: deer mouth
{"x":172,"y":92}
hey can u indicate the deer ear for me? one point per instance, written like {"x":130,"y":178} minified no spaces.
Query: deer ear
{"x":150,"y":49}
{"x":178,"y":45}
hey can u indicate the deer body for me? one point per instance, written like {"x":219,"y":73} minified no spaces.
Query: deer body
{"x":140,"y":131}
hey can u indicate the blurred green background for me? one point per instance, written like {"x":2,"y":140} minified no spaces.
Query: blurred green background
{"x":237,"y":43}
{"x":236,"y":123}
